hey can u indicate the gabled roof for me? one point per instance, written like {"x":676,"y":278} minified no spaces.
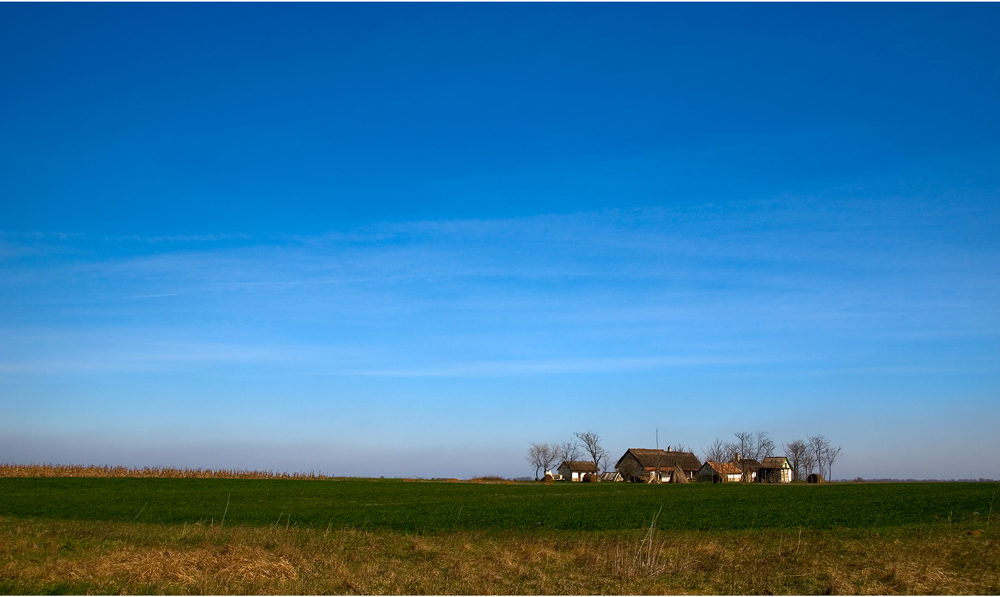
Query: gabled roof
{"x":652,"y":458}
{"x":580,"y":466}
{"x":724,"y":468}
{"x":775,"y":462}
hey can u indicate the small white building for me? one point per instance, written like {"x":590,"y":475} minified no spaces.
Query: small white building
{"x":574,"y":470}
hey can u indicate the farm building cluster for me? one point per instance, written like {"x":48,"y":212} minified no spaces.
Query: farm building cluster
{"x":645,"y":465}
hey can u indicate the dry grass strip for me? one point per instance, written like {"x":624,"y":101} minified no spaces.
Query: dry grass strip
{"x":119,"y":558}
{"x":59,"y":470}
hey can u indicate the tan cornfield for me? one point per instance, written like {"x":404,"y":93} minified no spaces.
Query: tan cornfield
{"x":88,"y":557}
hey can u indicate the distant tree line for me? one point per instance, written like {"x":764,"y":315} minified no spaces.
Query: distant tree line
{"x":813,"y":455}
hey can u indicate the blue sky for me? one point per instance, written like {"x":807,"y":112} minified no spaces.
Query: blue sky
{"x":409,"y":239}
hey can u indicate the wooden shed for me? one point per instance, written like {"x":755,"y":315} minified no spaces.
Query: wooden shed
{"x":774,"y":469}
{"x":719,"y":472}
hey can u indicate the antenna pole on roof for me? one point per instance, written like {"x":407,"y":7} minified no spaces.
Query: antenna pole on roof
{"x":657,"y":438}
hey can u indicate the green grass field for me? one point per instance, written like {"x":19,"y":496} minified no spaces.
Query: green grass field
{"x":435,"y":507}
{"x":167,"y":536}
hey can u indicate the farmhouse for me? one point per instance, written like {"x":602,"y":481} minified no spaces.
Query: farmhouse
{"x":719,"y":472}
{"x":748,"y":467}
{"x":644,"y":465}
{"x":774,"y":469}
{"x":574,"y":470}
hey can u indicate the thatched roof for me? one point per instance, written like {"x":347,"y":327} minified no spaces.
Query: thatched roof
{"x":579,"y":466}
{"x":724,"y":468}
{"x":746,"y":464}
{"x":663,"y":459}
{"x":775,"y":462}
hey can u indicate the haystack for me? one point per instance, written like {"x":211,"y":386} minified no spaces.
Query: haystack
{"x":815,"y":478}
{"x":677,"y":476}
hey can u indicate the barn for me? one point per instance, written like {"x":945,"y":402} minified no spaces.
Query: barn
{"x":645,"y":465}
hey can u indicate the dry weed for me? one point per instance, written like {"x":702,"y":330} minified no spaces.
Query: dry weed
{"x":233,"y":564}
{"x":47,"y":556}
{"x":52,"y":470}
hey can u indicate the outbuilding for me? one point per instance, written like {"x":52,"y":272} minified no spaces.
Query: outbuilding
{"x":774,"y":469}
{"x":719,"y":472}
{"x":645,"y":465}
{"x":747,"y":466}
{"x":574,"y":470}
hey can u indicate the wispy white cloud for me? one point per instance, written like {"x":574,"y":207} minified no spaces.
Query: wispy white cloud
{"x":593,"y":289}
{"x":184,"y":238}
{"x":558,"y":366}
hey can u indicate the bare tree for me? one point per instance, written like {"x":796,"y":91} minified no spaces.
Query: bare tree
{"x":808,"y":461}
{"x":720,"y":451}
{"x":754,"y":445}
{"x":592,"y":445}
{"x":765,"y":446}
{"x":569,"y":451}
{"x":680,"y":448}
{"x":824,"y":453}
{"x":605,"y":462}
{"x":541,"y":456}
{"x":743,"y":444}
{"x":831,"y":457}
{"x":796,"y":452}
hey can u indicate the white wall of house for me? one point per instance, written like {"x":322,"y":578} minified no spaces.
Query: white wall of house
{"x":570,"y":475}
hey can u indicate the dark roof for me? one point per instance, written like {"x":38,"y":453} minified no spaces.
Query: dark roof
{"x":775,"y":462}
{"x":745,"y":463}
{"x":724,"y":468}
{"x":580,"y":466}
{"x":652,"y":458}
